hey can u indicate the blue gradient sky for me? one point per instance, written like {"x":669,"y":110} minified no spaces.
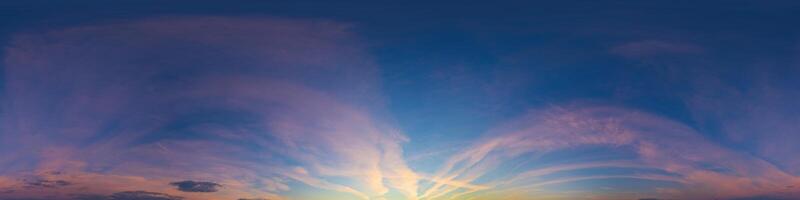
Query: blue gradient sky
{"x":390,"y":100}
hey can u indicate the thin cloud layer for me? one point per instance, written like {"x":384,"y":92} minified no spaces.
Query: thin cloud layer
{"x":143,"y":195}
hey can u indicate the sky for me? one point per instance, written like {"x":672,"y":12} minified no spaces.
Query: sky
{"x":373,"y":100}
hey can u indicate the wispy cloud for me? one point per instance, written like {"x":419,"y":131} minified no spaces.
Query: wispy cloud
{"x":139,"y":195}
{"x":755,"y":111}
{"x":701,"y":168}
{"x":237,"y":101}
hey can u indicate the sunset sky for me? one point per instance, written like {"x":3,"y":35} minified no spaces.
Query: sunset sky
{"x":371,"y":100}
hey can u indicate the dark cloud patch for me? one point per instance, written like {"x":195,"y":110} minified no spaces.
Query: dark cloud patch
{"x":196,"y":186}
{"x":142,"y":195}
{"x":42,"y":183}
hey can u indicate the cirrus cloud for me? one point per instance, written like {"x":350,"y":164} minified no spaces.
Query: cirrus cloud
{"x":676,"y":154}
{"x":127,"y":105}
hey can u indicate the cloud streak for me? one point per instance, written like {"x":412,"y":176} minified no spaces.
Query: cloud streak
{"x":701,"y":168}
